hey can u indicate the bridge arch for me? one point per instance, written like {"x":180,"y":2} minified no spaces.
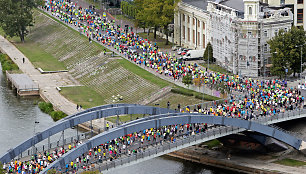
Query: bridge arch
{"x":82,"y":117}
{"x":180,"y":119}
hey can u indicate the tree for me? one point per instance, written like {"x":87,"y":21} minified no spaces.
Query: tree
{"x":187,"y":80}
{"x":2,"y":171}
{"x":156,"y":13}
{"x":285,"y":51}
{"x":16,"y":16}
{"x":167,"y":15}
{"x":208,"y":53}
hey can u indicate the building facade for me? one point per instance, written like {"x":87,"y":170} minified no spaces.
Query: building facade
{"x":298,"y":8}
{"x":237,"y":29}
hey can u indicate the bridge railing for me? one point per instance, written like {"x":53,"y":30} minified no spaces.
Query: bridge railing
{"x":164,"y":147}
{"x":55,"y":144}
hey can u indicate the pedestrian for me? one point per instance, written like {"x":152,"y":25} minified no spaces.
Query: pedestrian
{"x":77,"y":107}
{"x":23,"y":60}
{"x":168,"y":105}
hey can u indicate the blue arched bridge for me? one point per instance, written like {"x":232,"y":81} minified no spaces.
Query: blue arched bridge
{"x":161,"y":117}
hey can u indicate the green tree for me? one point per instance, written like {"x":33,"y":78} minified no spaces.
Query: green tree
{"x":2,"y":171}
{"x":156,"y":13}
{"x":208,"y":53}
{"x":16,"y":16}
{"x":285,"y":51}
{"x":167,"y":15}
{"x":187,"y":80}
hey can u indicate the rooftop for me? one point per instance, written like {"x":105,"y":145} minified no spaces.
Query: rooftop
{"x":235,"y":4}
{"x":202,"y":4}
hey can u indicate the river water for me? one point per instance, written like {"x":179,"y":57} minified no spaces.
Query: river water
{"x":17,"y":122}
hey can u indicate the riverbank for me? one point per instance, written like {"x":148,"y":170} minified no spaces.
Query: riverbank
{"x":47,"y":82}
{"x":247,"y":163}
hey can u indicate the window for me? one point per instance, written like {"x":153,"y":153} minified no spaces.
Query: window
{"x":193,"y":21}
{"x":250,"y":10}
{"x":265,"y":48}
{"x":198,"y":41}
{"x":203,"y":40}
{"x":286,"y":29}
{"x":266,"y":33}
{"x":193,"y":36}
{"x":249,"y":33}
{"x":188,"y":34}
{"x":282,"y":1}
{"x":188,"y":19}
{"x":299,"y":15}
{"x":199,"y":23}
{"x":183,"y":17}
{"x":300,"y":1}
{"x":275,"y":32}
{"x":184,"y":32}
{"x":203,"y":25}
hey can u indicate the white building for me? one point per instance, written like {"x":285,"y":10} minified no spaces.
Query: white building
{"x":237,"y":29}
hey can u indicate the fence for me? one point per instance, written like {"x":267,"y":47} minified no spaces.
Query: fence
{"x":53,"y":145}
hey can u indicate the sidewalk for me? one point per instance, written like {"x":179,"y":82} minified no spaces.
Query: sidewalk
{"x":47,"y":82}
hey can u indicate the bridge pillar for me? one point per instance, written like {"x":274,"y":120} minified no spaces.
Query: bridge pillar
{"x":48,"y":144}
{"x":91,"y":131}
{"x":77,"y":128}
{"x":63,"y":138}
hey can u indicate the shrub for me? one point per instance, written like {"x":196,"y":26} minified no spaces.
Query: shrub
{"x":7,"y":63}
{"x":48,"y":109}
{"x":45,"y":107}
{"x":57,"y":115}
{"x":183,"y":92}
{"x":206,"y":97}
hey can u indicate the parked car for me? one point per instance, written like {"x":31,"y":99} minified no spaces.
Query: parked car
{"x":182,"y":51}
{"x":193,"y":54}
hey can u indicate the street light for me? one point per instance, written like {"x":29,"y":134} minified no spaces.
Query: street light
{"x":301,"y":46}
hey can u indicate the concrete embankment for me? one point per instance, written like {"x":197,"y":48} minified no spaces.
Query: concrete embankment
{"x":237,"y":163}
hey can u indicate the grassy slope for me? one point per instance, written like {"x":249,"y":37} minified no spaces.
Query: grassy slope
{"x":101,"y":76}
{"x":291,"y":162}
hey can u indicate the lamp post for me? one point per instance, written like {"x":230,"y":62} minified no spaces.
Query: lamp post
{"x":301,"y":46}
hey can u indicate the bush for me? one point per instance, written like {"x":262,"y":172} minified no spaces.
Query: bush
{"x":183,"y":92}
{"x":48,"y":109}
{"x":7,"y":63}
{"x":57,"y":115}
{"x":206,"y":97}
{"x":45,"y":107}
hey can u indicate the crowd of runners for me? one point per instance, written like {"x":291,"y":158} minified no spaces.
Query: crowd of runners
{"x":258,"y":97}
{"x":126,"y":145}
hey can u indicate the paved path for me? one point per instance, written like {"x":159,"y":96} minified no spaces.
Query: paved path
{"x":252,"y":161}
{"x":46,"y":82}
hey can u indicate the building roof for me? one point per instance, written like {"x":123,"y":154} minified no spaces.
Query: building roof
{"x":235,"y":4}
{"x":202,"y":4}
